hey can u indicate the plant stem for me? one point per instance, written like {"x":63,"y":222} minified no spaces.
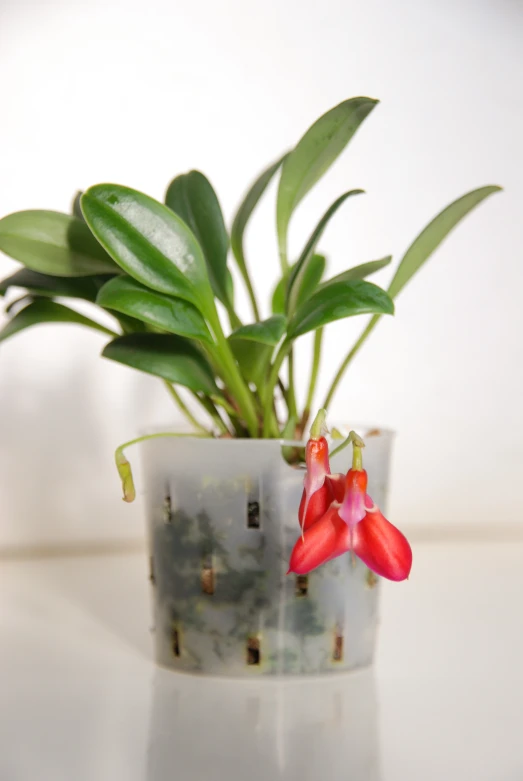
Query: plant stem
{"x":291,"y":395}
{"x":252,"y":296}
{"x":211,"y":410}
{"x":124,"y":467}
{"x":242,"y":265}
{"x":357,"y":443}
{"x":268,"y":414}
{"x":224,"y":404}
{"x":234,"y":320}
{"x":282,"y":248}
{"x":184,"y":409}
{"x":232,"y":375}
{"x":348,"y":359}
{"x":316,"y":356}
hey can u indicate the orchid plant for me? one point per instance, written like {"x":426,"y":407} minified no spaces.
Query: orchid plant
{"x":160,"y":270}
{"x":337,"y":515}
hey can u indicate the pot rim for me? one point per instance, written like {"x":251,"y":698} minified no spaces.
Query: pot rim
{"x":369,"y":432}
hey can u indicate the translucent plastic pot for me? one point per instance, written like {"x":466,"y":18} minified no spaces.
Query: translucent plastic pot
{"x":222,"y":521}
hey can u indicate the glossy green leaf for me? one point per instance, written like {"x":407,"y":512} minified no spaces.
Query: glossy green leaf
{"x":279,"y":296}
{"x":125,"y":295}
{"x":53,"y":243}
{"x":268,"y":331}
{"x":360,"y":272}
{"x":46,"y":285}
{"x":45,"y":311}
{"x":314,"y":154}
{"x":130,"y":325}
{"x":339,"y":300}
{"x":432,"y":236}
{"x":299,"y":269}
{"x":173,"y":358}
{"x":311,"y":278}
{"x":253,"y":359}
{"x":244,"y":212}
{"x":76,"y":207}
{"x":151,"y":243}
{"x":191,"y":197}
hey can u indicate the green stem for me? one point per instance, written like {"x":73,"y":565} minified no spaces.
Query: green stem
{"x":124,"y":467}
{"x":234,"y":320}
{"x":232,"y":375}
{"x":184,"y":409}
{"x":252,"y":296}
{"x":242,"y":265}
{"x":291,"y":395}
{"x":213,"y":413}
{"x":316,"y":357}
{"x":319,"y":426}
{"x":224,"y":404}
{"x":357,"y":445}
{"x":268,"y":414}
{"x":348,"y":359}
{"x":282,"y":248}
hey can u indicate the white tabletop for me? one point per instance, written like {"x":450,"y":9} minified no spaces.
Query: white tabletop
{"x":81,"y":700}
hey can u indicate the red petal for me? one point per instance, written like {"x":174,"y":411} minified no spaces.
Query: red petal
{"x":337,"y":484}
{"x":324,"y":540}
{"x":317,"y":461}
{"x":352,"y":509}
{"x":382,"y":547}
{"x":319,"y":503}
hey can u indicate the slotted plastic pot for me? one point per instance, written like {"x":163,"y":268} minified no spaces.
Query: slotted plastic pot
{"x":222,"y":521}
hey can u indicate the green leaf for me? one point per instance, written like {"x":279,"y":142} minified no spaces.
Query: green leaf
{"x":253,"y":359}
{"x":313,"y":155}
{"x":151,"y":243}
{"x":244,"y":212}
{"x":360,"y":272}
{"x":432,"y":236}
{"x":278,"y":297}
{"x":292,"y":454}
{"x":310,"y":280}
{"x":191,"y":197}
{"x":171,"y":357}
{"x":268,"y":331}
{"x":46,"y":285}
{"x":44,"y":311}
{"x":125,"y":295}
{"x":76,"y":207}
{"x":53,"y":243}
{"x":299,"y":269}
{"x":339,"y":300}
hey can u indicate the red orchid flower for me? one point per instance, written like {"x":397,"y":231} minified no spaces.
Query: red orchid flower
{"x":317,"y":491}
{"x":351,"y":521}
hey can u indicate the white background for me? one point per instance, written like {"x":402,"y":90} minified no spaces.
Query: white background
{"x":135,"y":93}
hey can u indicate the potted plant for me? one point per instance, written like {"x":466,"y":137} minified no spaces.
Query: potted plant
{"x":240,"y":588}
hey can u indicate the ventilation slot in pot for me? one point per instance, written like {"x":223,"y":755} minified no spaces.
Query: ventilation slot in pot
{"x":253,"y":650}
{"x":253,"y":513}
{"x":176,"y":642}
{"x":337,"y":655}
{"x":167,"y":508}
{"x":207,"y":576}
{"x":302,"y":585}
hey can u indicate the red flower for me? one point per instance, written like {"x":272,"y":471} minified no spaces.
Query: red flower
{"x":317,"y":493}
{"x":337,"y":516}
{"x":379,"y":544}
